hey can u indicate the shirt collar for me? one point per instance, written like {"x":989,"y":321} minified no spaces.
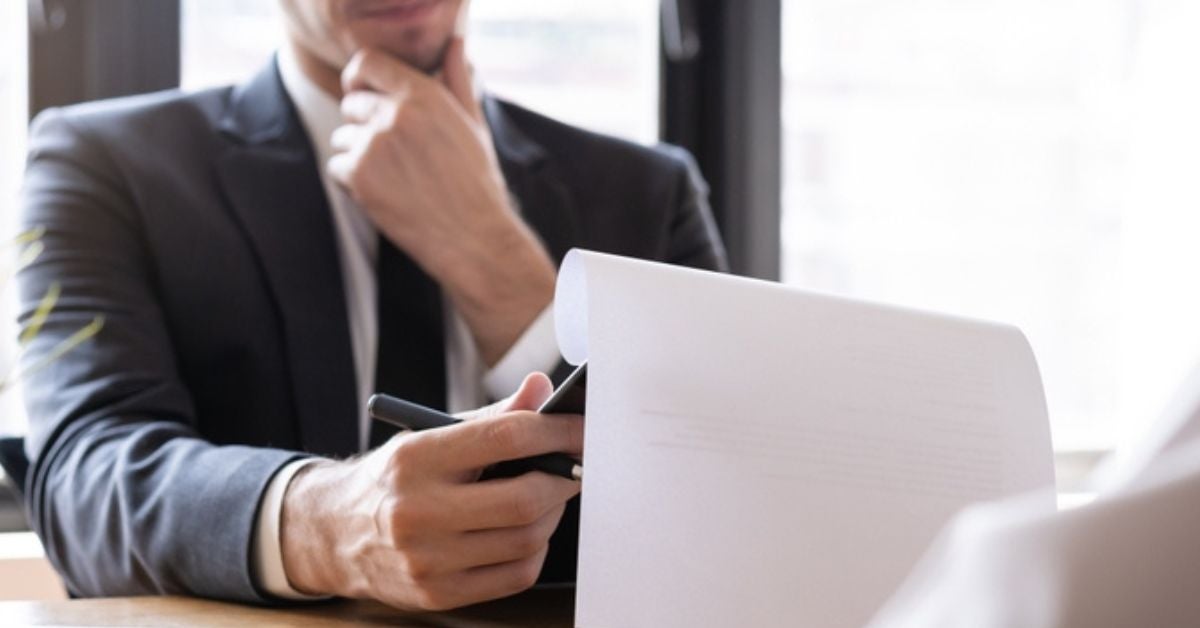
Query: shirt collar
{"x":319,"y":112}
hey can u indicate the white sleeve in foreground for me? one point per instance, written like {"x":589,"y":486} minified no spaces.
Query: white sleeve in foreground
{"x":535,"y":350}
{"x":268,"y":554}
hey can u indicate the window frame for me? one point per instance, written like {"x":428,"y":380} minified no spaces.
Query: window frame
{"x":721,"y":99}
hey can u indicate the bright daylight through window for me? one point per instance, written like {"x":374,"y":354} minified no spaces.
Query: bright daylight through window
{"x":1029,"y":161}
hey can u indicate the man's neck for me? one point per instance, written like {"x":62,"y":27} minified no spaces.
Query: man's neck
{"x":323,"y":75}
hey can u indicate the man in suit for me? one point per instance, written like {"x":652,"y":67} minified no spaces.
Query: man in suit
{"x":354,"y":218}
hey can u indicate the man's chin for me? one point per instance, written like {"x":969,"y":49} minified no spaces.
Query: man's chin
{"x":426,"y":59}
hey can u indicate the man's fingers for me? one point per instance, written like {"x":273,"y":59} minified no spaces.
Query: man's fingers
{"x":496,"y":581}
{"x":362,"y":106}
{"x":492,"y":547}
{"x":510,"y":436}
{"x":508,"y":502}
{"x":576,"y":451}
{"x":347,"y":137}
{"x":374,"y":70}
{"x":535,"y":389}
{"x":341,"y":167}
{"x":457,"y":77}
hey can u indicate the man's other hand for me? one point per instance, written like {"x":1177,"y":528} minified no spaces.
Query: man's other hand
{"x":411,"y":525}
{"x":417,"y":155}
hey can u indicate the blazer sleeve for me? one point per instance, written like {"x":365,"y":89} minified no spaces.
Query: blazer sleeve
{"x":125,"y":494}
{"x":693,"y":238}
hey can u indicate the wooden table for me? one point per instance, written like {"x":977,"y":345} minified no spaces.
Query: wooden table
{"x":542,"y":608}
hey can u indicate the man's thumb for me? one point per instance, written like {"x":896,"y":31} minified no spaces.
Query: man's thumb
{"x":533,"y":392}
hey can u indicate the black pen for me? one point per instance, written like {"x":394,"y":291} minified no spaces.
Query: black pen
{"x":417,"y":417}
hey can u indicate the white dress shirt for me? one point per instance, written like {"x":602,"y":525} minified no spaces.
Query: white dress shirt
{"x":468,"y":383}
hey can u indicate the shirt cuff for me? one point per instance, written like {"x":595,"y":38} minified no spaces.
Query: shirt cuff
{"x":535,"y":350}
{"x":268,"y":553}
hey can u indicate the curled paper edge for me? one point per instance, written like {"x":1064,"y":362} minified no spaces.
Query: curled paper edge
{"x":571,"y":307}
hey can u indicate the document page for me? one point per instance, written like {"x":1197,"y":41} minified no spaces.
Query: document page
{"x":759,"y":455}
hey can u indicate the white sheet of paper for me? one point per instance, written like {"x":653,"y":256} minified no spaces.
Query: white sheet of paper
{"x":762,"y":456}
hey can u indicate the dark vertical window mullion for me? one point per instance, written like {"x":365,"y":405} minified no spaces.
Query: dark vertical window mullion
{"x":721,"y":101}
{"x":82,"y":50}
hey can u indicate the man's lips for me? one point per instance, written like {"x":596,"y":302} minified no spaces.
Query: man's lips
{"x":396,"y":10}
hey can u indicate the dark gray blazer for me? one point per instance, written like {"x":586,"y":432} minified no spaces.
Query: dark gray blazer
{"x":197,"y":225}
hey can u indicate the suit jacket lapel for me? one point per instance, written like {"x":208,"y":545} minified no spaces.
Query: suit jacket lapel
{"x":272,"y":182}
{"x":544,"y":202}
{"x":271,"y":178}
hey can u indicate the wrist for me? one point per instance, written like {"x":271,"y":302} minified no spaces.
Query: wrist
{"x":511,"y":266}
{"x":503,"y":295}
{"x":308,"y":530}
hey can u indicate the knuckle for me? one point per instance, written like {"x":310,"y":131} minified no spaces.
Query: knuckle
{"x":403,"y":539}
{"x":402,"y":535}
{"x":532,"y":503}
{"x":526,"y":508}
{"x":353,"y":69}
{"x":411,"y":448}
{"x":404,"y":446}
{"x":432,"y":599}
{"x":504,"y":434}
{"x":402,"y":460}
{"x":371,"y":147}
{"x":357,"y":180}
{"x":575,"y":431}
{"x":397,"y":458}
{"x":526,"y":574}
{"x":394,"y":118}
{"x":368,"y":59}
{"x":405,"y":519}
{"x":529,"y":542}
{"x":420,"y":569}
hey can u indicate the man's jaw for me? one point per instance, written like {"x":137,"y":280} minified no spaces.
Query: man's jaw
{"x":405,"y":28}
{"x":396,"y":12}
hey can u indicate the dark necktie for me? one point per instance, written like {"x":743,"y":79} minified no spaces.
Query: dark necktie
{"x":410,"y":362}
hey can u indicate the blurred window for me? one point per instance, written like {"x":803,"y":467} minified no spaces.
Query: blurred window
{"x":594,"y":64}
{"x":13,"y":115}
{"x":225,"y":41}
{"x":1027,"y":161}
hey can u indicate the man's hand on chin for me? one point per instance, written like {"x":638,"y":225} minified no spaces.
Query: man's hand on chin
{"x":416,"y":154}
{"x":411,"y":525}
